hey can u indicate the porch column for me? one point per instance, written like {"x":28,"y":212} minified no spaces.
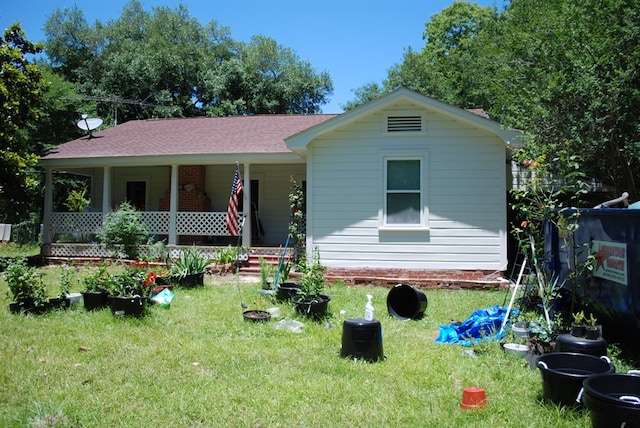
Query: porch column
{"x":173,"y":206}
{"x":246,"y":206}
{"x":48,"y":206}
{"x":106,"y":190}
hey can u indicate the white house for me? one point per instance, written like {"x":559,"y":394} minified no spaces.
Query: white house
{"x":401,"y":187}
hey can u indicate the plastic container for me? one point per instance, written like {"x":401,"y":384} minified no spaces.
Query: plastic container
{"x":564,"y":372}
{"x":613,"y":400}
{"x":362,"y":339}
{"x":406,"y":302}
{"x":473,"y":398}
{"x":368,"y":308}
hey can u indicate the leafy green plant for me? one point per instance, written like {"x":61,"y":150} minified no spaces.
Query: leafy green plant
{"x":297,"y":221}
{"x":136,"y":280}
{"x":312,"y":283}
{"x":189,"y":262}
{"x":157,"y":252}
{"x":123,"y":231}
{"x":578,"y":318}
{"x":67,"y":277}
{"x":226,"y":255}
{"x":77,"y":200}
{"x":24,"y":282}
{"x":591,"y":321}
{"x":98,"y":280}
{"x":266,"y":270}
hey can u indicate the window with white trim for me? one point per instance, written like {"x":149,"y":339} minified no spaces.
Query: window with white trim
{"x":403,"y":192}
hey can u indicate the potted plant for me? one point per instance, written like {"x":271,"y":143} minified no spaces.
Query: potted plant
{"x":188,"y":269}
{"x":266,"y":270}
{"x":61,"y":301}
{"x":26,"y":289}
{"x":310,"y":299}
{"x":286,"y":289}
{"x":578,"y":325}
{"x":593,"y":330}
{"x":96,"y":288}
{"x":130,"y":290}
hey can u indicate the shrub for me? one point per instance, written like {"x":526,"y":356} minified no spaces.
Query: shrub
{"x":123,"y":230}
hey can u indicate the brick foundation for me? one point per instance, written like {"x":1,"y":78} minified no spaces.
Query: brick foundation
{"x":434,"y":279}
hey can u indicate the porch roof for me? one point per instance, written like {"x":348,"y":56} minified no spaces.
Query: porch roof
{"x":260,"y":134}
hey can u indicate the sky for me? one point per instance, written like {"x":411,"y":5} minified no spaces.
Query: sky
{"x":355,"y":41}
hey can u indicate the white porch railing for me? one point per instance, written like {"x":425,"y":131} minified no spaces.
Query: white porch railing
{"x":157,"y":222}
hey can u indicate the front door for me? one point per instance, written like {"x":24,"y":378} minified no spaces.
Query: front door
{"x":137,"y":194}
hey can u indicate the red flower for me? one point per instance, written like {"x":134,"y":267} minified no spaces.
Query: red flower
{"x":151,"y":278}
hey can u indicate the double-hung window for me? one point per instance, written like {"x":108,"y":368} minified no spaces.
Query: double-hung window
{"x":404,"y":192}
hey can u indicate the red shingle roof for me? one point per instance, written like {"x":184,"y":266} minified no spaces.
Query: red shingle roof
{"x":201,"y":135}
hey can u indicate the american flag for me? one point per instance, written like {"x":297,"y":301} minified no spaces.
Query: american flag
{"x":232,"y":210}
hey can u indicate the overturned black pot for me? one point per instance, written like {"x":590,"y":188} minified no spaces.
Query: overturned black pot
{"x":564,"y":372}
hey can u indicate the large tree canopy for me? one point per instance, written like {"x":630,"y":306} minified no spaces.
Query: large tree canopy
{"x":564,"y":72}
{"x":165,"y":63}
{"x":21,"y":90}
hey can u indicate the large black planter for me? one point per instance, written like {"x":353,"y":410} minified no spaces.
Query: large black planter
{"x":613,"y":400}
{"x":95,"y":300}
{"x":405,"y":302}
{"x":570,"y":342}
{"x":563,"y":373}
{"x":192,"y":280}
{"x":127,"y":306}
{"x":315,"y":307}
{"x":286,"y":290}
{"x":362,"y":339}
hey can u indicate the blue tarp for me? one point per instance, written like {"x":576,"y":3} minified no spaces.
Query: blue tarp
{"x":483,"y":324}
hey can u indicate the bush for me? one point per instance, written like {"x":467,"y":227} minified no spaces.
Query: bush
{"x":123,"y":230}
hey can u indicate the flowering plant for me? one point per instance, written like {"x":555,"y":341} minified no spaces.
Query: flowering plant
{"x":136,"y":280}
{"x":297,"y":221}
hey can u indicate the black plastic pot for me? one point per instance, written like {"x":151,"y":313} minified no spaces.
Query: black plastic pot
{"x":191,"y":280}
{"x":286,"y":290}
{"x":564,"y":372}
{"x":580,"y":344}
{"x":127,"y":306}
{"x":406,"y":302}
{"x":613,"y":400}
{"x":95,"y":300}
{"x":362,"y":339}
{"x":314,"y":307}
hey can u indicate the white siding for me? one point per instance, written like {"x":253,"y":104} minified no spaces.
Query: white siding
{"x":466,"y":193}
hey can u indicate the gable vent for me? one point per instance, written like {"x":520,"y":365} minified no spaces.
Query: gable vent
{"x":404,"y":124}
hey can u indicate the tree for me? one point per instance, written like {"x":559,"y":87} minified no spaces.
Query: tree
{"x":569,"y":78}
{"x":164,"y":63}
{"x":21,"y":89}
{"x":449,"y":66}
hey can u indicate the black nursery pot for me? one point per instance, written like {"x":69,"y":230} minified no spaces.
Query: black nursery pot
{"x":315,"y":308}
{"x":127,"y":306}
{"x":95,"y":300}
{"x":286,"y":290}
{"x":406,"y":302}
{"x":564,"y":372}
{"x":613,"y":400}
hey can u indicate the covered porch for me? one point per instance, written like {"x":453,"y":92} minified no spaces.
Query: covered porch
{"x":180,"y":204}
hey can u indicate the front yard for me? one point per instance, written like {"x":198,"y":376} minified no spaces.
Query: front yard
{"x":200,"y":364}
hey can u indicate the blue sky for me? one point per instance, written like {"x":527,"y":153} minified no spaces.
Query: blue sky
{"x":355,"y":41}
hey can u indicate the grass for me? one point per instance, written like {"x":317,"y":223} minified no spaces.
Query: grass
{"x":200,"y":364}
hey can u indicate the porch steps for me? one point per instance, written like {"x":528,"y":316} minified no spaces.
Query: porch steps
{"x":252,"y":266}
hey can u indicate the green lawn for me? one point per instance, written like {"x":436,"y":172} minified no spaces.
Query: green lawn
{"x":200,"y":364}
